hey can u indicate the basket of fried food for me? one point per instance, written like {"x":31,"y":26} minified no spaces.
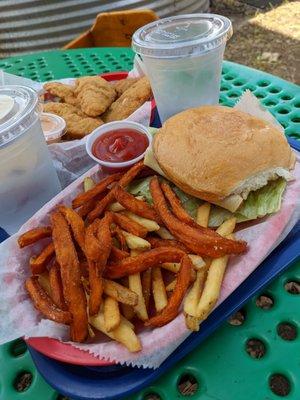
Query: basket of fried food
{"x":114,"y":261}
{"x":91,"y":101}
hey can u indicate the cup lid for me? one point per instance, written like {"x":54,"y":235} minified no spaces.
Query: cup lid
{"x":182,"y":35}
{"x":18,"y":102}
{"x":53,"y":126}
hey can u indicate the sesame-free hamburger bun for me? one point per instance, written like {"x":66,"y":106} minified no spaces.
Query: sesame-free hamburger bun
{"x":220,"y":154}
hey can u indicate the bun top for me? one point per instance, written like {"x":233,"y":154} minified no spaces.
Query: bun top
{"x":213,"y":152}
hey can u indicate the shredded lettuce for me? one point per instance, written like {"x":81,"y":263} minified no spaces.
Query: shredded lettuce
{"x":259,"y":203}
{"x":140,"y":187}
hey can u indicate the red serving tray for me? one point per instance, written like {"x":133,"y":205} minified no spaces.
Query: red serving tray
{"x":65,"y":352}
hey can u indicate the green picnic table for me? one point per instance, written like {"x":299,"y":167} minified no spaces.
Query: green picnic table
{"x":253,"y":356}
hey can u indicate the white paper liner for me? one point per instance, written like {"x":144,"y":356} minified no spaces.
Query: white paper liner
{"x":18,"y":317}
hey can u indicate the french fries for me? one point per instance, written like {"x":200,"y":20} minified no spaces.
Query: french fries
{"x":198,"y":264}
{"x":117,"y":254}
{"x":121,"y":241}
{"x":159,"y":290}
{"x":146,"y":286}
{"x":56,"y":288}
{"x":215,"y":276}
{"x":120,"y":293}
{"x":44,"y":282}
{"x":148,"y":224}
{"x":171,"y":286}
{"x":156,"y":242}
{"x":93,"y":254}
{"x":176,"y":206}
{"x":71,"y":278}
{"x":212,"y":287}
{"x":76,"y":223}
{"x":109,"y":198}
{"x":135,"y":284}
{"x":143,"y":261}
{"x":112,"y":316}
{"x":43,"y":302}
{"x":90,"y":194}
{"x":127,"y":311}
{"x":90,"y":248}
{"x":182,"y":284}
{"x":204,"y":242}
{"x":192,"y":300}
{"x":98,"y":243}
{"x":123,"y":333}
{"x":38,"y":264}
{"x":135,"y":242}
{"x":227,"y":227}
{"x":203,"y":212}
{"x":91,"y":332}
{"x":34,"y":235}
{"x":129,"y":225}
{"x":193,"y":297}
{"x":172,"y":267}
{"x":117,"y":207}
{"x":164,"y":233}
{"x":134,"y":205}
{"x":88,"y":184}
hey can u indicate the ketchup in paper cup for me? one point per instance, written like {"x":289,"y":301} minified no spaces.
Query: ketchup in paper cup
{"x":116,"y":146}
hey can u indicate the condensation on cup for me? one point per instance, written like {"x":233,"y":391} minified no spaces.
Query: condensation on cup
{"x":27,"y":175}
{"x":182,"y":57}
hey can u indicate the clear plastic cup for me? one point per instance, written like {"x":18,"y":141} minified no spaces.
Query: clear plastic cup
{"x":183,"y":57}
{"x":27,"y":174}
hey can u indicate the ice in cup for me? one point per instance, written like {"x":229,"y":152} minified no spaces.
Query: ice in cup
{"x":27,"y":174}
{"x":182,"y":57}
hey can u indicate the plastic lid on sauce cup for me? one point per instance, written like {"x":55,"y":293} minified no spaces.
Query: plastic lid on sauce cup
{"x":182,"y":36}
{"x":113,"y":126}
{"x":53,"y":127}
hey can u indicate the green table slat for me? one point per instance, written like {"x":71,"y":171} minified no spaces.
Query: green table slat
{"x":221,"y":365}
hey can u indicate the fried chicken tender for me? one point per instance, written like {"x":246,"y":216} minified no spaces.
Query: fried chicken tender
{"x":64,"y":92}
{"x":94,"y":95}
{"x":78,"y":123}
{"x":123,"y":84}
{"x":129,"y":101}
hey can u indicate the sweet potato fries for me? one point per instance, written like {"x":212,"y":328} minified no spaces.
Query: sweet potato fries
{"x":106,"y":262}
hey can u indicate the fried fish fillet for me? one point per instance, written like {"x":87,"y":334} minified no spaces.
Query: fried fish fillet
{"x":94,"y":95}
{"x":129,"y":101}
{"x":123,"y":84}
{"x":64,"y":92}
{"x":78,"y":124}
